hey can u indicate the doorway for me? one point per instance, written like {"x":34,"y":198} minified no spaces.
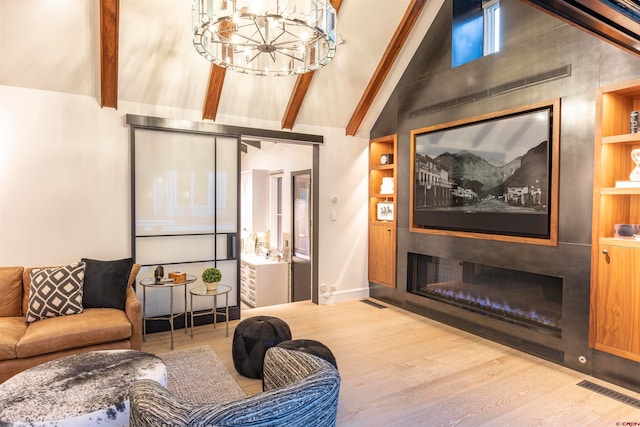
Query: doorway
{"x":302,"y":212}
{"x":221,"y":178}
{"x":282,"y":162}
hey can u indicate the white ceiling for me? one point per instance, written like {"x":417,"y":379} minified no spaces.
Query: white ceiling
{"x":53,"y":45}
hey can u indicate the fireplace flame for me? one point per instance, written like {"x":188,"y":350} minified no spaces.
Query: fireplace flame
{"x":501,"y":307}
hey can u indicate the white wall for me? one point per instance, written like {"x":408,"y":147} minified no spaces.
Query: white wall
{"x":64,"y":179}
{"x":65,"y":185}
{"x":285,"y":157}
{"x":343,"y":242}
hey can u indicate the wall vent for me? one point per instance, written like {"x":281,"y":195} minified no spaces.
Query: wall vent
{"x":536,"y":79}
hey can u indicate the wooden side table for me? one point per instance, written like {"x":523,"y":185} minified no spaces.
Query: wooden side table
{"x":164,"y":284}
{"x":201,"y":291}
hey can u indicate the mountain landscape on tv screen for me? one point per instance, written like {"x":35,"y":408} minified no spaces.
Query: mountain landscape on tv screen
{"x":487,"y":177}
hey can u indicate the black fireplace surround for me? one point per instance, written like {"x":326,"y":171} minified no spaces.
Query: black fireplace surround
{"x":515,"y":299}
{"x":526,"y":299}
{"x":535,"y":40}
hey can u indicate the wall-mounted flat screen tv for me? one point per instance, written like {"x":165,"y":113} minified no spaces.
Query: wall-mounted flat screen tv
{"x":491,"y":175}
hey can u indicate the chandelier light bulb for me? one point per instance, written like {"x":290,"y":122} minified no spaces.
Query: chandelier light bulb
{"x":265,"y":37}
{"x":256,"y":7}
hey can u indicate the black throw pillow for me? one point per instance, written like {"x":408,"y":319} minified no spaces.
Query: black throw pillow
{"x":105,"y":283}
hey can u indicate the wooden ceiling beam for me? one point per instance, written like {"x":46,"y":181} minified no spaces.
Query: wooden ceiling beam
{"x":300,"y":90}
{"x":109,"y":28}
{"x":214,"y":92}
{"x":216,"y":80}
{"x":295,"y":101}
{"x":393,"y":49}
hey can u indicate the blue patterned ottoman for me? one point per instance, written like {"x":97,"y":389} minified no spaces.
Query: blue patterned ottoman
{"x":79,"y":390}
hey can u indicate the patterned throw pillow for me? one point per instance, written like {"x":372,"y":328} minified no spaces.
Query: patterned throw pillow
{"x":55,"y":291}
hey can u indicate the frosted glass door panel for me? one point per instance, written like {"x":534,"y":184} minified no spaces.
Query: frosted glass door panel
{"x":185,"y":210}
{"x":227,"y":185}
{"x":181,"y":187}
{"x":174,"y":249}
{"x":302,"y":215}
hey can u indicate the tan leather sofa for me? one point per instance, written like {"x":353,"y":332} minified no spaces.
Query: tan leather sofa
{"x":23,"y":345}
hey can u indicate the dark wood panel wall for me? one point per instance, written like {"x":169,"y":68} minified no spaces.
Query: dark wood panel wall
{"x":533,"y":42}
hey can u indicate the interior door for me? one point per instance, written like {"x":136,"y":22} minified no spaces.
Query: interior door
{"x":302,"y":235}
{"x":185,"y":209}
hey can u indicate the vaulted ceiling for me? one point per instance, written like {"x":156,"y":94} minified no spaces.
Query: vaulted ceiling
{"x":141,"y":51}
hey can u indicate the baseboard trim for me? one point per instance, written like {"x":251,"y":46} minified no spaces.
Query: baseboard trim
{"x":342,"y":296}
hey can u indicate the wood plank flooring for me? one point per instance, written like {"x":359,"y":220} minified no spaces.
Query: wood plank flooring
{"x":401,"y":369}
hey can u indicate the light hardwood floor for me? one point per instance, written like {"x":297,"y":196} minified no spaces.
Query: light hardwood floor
{"x":401,"y":369}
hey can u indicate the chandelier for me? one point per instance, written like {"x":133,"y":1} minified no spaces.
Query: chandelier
{"x":265,"y":37}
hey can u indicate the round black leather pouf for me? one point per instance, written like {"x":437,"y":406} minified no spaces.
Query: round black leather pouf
{"x":311,"y":347}
{"x":251,"y":339}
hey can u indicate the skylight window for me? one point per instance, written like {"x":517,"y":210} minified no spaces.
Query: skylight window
{"x":475,"y":30}
{"x":491,"y":10}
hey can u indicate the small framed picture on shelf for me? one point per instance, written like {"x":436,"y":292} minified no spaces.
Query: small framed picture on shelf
{"x":386,"y":159}
{"x":627,"y":231}
{"x":385,"y":211}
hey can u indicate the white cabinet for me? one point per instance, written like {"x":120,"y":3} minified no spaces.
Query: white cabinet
{"x":255,"y":200}
{"x":263,"y":282}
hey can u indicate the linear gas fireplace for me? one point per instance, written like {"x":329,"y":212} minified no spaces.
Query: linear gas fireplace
{"x":522,"y":298}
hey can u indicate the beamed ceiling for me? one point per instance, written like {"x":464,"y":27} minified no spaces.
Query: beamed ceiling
{"x":141,"y":51}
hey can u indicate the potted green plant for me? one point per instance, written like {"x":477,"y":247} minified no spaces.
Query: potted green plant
{"x":211,"y":276}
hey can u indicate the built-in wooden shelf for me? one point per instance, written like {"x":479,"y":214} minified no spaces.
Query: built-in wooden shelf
{"x":613,"y":191}
{"x":615,"y":301}
{"x":382,"y":233}
{"x":623,"y":243}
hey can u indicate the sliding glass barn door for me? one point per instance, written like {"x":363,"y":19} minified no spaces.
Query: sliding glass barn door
{"x":185,"y":210}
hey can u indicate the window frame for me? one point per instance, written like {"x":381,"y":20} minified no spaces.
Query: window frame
{"x":276,"y":214}
{"x":491,"y":26}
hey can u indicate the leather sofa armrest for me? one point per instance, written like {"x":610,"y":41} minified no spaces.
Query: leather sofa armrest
{"x":133,"y":309}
